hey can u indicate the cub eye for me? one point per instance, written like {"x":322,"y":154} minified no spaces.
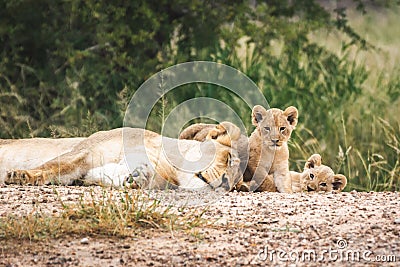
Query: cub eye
{"x":282,"y":129}
{"x":311,"y":176}
{"x":267,"y":128}
{"x":322,"y":184}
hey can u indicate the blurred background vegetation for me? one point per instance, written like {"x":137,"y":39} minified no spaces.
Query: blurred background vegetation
{"x":69,"y":68}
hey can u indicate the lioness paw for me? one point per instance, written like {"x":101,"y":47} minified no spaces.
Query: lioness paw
{"x":25,"y":177}
{"x":138,"y":178}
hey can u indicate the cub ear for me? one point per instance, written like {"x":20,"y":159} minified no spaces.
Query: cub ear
{"x":339,"y":182}
{"x":258,"y":114}
{"x":313,"y":161}
{"x":224,"y":133}
{"x":292,"y":114}
{"x":232,"y":130}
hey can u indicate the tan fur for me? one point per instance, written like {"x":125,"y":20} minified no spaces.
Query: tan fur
{"x":31,"y":152}
{"x":320,"y":178}
{"x":269,"y":153}
{"x":264,"y":157}
{"x":225,"y":133}
{"x":315,"y":177}
{"x":161,"y":161}
{"x":198,"y":132}
{"x":302,"y":181}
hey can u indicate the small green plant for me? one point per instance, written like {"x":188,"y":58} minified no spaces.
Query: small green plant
{"x":113,"y":213}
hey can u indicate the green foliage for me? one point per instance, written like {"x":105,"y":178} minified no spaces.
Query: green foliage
{"x":61,"y":61}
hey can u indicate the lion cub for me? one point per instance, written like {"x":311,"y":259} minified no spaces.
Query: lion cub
{"x":269,"y":152}
{"x":265,"y":152}
{"x":317,"y":177}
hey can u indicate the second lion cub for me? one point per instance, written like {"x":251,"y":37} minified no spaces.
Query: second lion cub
{"x":315,"y":177}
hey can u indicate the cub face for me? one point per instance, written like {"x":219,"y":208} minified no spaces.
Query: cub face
{"x":274,"y":125}
{"x":321,"y":178}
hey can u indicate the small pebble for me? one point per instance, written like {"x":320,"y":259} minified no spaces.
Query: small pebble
{"x":397,"y":221}
{"x":85,"y":241}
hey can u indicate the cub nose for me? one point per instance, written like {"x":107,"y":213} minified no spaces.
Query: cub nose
{"x":309,"y":189}
{"x":275,"y":141}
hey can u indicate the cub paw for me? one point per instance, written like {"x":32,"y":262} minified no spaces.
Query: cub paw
{"x":242,"y":187}
{"x":25,"y":177}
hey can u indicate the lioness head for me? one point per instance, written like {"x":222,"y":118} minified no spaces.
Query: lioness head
{"x":231,"y":163}
{"x":224,"y":172}
{"x":274,"y":125}
{"x":318,"y":177}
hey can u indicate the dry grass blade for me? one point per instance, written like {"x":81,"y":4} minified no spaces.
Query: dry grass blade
{"x":111,"y":213}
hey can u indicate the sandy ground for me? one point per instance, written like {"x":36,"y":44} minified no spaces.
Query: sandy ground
{"x":256,"y":229}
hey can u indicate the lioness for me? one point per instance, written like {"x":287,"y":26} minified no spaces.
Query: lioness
{"x":156,"y":162}
{"x":268,"y":151}
{"x":31,"y":152}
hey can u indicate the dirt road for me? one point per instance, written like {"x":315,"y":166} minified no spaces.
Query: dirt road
{"x":346,"y":229}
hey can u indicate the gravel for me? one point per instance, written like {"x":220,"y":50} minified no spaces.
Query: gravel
{"x":346,"y":229}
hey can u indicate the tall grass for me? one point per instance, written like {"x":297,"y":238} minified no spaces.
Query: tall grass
{"x":348,"y":98}
{"x":363,"y":141}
